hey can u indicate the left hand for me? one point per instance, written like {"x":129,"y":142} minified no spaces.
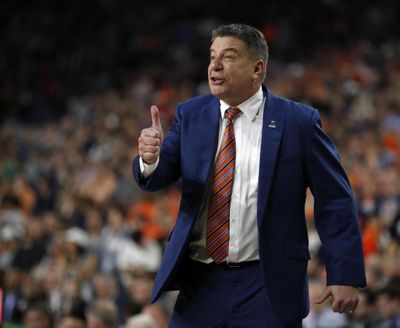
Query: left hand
{"x":344,"y":298}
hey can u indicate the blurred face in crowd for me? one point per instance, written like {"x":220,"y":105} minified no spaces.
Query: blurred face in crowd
{"x":12,"y":279}
{"x":93,"y":321}
{"x":104,"y":286}
{"x":233,"y":75}
{"x":71,"y":322}
{"x":35,"y":318}
{"x":102,"y":314}
{"x":388,"y":306}
{"x":139,"y":288}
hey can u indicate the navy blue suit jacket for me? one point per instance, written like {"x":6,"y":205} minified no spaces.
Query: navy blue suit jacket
{"x":295,"y":154}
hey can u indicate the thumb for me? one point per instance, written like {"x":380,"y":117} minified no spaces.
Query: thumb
{"x":155,"y":117}
{"x":324,"y":296}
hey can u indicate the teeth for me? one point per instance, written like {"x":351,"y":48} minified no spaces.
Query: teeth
{"x":217,"y":81}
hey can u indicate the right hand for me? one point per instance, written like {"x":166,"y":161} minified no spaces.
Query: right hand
{"x":150,"y":139}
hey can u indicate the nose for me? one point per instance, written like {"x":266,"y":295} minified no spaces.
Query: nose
{"x":216,"y":64}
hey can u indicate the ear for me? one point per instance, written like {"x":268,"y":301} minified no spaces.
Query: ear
{"x":259,"y":69}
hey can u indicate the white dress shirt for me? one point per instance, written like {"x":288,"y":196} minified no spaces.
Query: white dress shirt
{"x":243,"y":233}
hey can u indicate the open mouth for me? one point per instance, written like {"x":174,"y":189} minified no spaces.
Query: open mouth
{"x":217,"y":81}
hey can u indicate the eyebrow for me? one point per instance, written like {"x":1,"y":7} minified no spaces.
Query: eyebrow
{"x":226,"y":50}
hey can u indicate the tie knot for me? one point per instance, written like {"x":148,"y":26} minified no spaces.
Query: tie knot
{"x":232,"y":112}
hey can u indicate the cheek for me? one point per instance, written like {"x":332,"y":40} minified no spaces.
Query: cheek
{"x":237,"y":76}
{"x":245,"y":74}
{"x":209,"y":70}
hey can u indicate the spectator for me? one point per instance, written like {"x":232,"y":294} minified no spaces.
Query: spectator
{"x":37,"y":316}
{"x":33,"y":248}
{"x":102,"y":314}
{"x":141,"y":320}
{"x":71,"y":322}
{"x":389,"y":305}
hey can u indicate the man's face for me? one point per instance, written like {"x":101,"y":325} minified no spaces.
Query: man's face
{"x":233,"y":75}
{"x":36,"y":319}
{"x":71,"y":323}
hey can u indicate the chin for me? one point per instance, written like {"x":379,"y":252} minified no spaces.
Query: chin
{"x":217,"y":91}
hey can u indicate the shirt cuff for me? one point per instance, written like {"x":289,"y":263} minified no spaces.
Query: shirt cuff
{"x":147,"y":169}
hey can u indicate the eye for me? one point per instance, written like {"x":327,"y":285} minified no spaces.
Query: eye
{"x":228,"y":57}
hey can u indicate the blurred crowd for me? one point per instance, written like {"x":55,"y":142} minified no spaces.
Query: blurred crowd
{"x":80,"y":244}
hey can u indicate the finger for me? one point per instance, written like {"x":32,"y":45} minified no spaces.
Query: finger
{"x":150,"y":132}
{"x":149,"y":141}
{"x":352,"y":305}
{"x":355,"y":305}
{"x":338,"y":306}
{"x":348,"y":310}
{"x":324,"y":296}
{"x":149,"y":157}
{"x":155,"y":117}
{"x":149,"y":149}
{"x":148,"y":152}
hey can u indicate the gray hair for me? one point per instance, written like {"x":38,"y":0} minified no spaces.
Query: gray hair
{"x":252,"y":38}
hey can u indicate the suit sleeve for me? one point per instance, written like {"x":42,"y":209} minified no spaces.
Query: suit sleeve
{"x":168,"y":170}
{"x":335,"y":213}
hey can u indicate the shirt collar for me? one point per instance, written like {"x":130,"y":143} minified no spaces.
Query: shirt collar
{"x":249,"y":107}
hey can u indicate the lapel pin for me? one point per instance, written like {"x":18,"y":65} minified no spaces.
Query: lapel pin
{"x":272,"y":124}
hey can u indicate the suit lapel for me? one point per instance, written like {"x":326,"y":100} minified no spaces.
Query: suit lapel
{"x":273,"y":125}
{"x":208,"y":128}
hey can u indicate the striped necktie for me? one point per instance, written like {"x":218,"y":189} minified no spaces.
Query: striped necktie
{"x":217,"y":240}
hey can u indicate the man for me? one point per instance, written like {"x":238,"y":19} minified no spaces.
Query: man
{"x":37,"y":316}
{"x":70,"y":321}
{"x":238,"y":252}
{"x":102,"y":314}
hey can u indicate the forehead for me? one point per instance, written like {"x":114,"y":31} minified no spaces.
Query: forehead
{"x":227,"y":43}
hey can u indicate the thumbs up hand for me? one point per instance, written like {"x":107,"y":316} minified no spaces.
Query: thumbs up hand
{"x":150,"y":139}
